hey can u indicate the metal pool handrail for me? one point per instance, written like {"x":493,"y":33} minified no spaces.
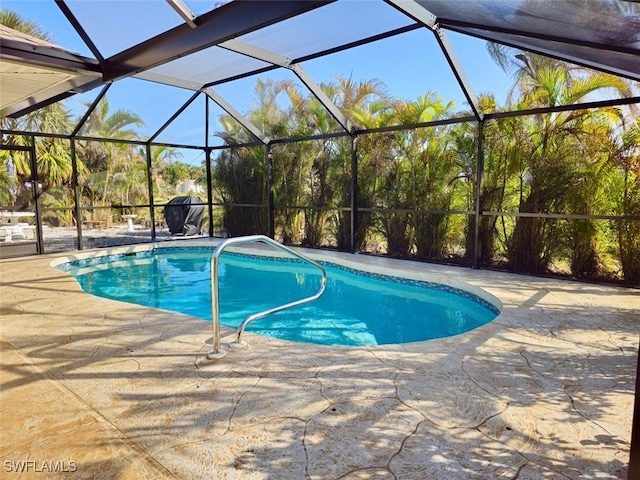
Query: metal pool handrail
{"x":215,"y":310}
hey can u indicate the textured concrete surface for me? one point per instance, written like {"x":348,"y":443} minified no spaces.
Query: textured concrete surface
{"x":94,"y":388}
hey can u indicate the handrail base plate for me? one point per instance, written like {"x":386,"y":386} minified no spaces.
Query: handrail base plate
{"x":216,"y":356}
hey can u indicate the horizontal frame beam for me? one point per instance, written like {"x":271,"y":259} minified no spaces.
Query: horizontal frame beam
{"x":221,"y":24}
{"x":284,"y":62}
{"x":561,"y":216}
{"x":241,"y":119}
{"x":521,"y":45}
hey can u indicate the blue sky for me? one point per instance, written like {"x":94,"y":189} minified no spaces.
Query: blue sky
{"x":410,"y":64}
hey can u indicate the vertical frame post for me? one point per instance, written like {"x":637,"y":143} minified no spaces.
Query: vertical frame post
{"x":152,"y":213}
{"x":270,"y":201}
{"x":207,"y":155}
{"x":354,"y":192}
{"x":76,"y":193}
{"x":478,"y":206}
{"x":36,"y":194}
{"x":207,"y":166}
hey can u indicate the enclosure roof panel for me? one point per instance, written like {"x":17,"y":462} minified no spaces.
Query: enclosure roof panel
{"x":624,"y":64}
{"x":35,"y":73}
{"x":179,"y":42}
{"x":333,"y":25}
{"x":606,"y":34}
{"x":116,"y":25}
{"x":208,"y":66}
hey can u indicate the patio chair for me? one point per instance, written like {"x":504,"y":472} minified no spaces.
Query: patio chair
{"x":98,"y":218}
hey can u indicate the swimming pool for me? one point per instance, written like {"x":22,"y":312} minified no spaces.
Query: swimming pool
{"x":357,"y":309}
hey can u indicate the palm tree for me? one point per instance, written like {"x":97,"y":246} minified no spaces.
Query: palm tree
{"x":164,"y":173}
{"x":240,"y":172}
{"x":294,"y":170}
{"x":434,"y":171}
{"x":552,"y":169}
{"x":318,"y":158}
{"x":382,"y":172}
{"x":626,"y":194}
{"x":291,"y":164}
{"x":103,"y":159}
{"x":354,"y":99}
{"x":11,"y":19}
{"x":500,"y":176}
{"x":239,"y":177}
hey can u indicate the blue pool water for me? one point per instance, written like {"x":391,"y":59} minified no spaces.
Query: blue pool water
{"x":357,"y":308}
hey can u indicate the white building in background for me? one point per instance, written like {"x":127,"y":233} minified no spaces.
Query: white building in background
{"x":189,"y":186}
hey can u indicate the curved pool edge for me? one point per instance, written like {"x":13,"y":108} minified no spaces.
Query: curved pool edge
{"x":364,"y":263}
{"x":368,"y":264}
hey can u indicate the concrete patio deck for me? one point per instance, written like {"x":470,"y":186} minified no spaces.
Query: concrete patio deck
{"x":94,"y":388}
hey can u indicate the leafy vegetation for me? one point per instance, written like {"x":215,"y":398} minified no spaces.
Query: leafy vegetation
{"x":536,"y":168}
